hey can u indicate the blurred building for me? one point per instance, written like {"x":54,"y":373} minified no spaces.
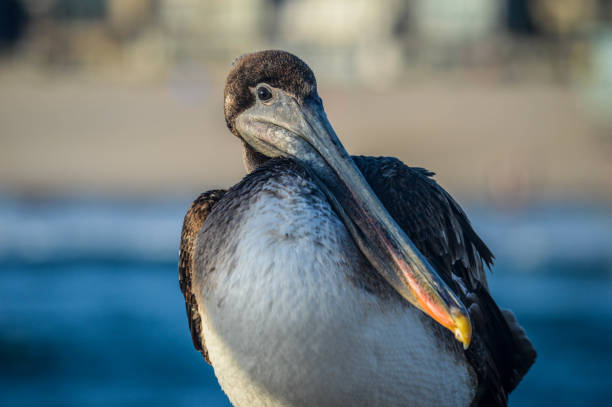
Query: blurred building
{"x":352,"y":39}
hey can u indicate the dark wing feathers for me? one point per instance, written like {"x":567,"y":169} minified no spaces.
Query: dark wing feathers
{"x":430,"y":217}
{"x":500,"y":352}
{"x":194,"y":218}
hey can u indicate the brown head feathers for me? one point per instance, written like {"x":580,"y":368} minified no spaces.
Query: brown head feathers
{"x":279,"y":69}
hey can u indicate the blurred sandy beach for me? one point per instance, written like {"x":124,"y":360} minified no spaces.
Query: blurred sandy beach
{"x":488,"y":141}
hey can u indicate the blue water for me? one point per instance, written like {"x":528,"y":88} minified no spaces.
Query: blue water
{"x":91,"y":313}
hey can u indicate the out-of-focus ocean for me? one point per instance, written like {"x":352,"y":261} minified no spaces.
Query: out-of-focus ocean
{"x":91,"y":313}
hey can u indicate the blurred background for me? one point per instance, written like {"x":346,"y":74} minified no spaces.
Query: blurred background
{"x":111,"y":122}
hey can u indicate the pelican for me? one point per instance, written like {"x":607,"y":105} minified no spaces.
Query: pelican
{"x":324,"y":279}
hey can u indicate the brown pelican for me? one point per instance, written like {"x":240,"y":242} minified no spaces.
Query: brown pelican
{"x":323,"y":279}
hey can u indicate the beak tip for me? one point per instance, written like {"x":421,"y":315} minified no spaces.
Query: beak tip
{"x":463,"y":327}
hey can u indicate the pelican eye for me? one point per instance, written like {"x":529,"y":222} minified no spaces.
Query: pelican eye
{"x":264,"y":94}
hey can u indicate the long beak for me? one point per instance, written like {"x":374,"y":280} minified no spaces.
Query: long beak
{"x":378,"y":236}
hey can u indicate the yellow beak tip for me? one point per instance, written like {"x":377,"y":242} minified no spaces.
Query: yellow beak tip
{"x":463,"y":328}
